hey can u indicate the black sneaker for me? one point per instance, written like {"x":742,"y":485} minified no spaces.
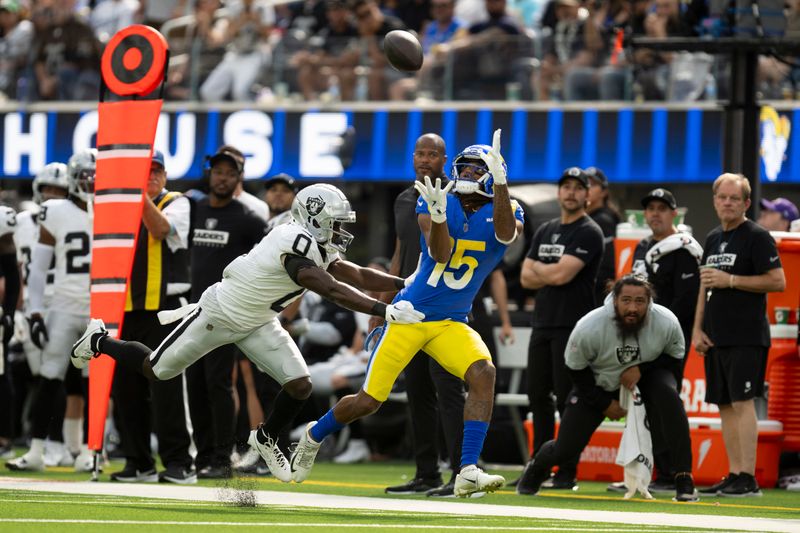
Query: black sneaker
{"x":684,"y":489}
{"x":131,"y":474}
{"x":617,"y":486}
{"x":417,"y":485}
{"x":559,"y":482}
{"x":445,"y":491}
{"x":215,"y":472}
{"x":662,"y":486}
{"x":719,"y":487}
{"x":179,"y":475}
{"x":532,"y":479}
{"x":744,"y":486}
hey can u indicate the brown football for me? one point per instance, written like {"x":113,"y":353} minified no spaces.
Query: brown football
{"x":403,"y":50}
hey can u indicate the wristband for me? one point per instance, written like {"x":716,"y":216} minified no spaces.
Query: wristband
{"x":379,"y":309}
{"x":730,"y":281}
{"x":399,"y":283}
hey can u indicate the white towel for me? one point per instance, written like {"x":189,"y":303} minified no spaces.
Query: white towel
{"x":676,"y":241}
{"x":173,"y":315}
{"x":635,"y":452}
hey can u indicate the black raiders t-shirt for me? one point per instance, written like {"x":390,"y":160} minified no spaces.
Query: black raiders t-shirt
{"x":407,"y":229}
{"x":676,"y":282}
{"x":564,"y":305}
{"x":734,"y":317}
{"x":607,"y":220}
{"x":220,"y":235}
{"x":406,"y":226}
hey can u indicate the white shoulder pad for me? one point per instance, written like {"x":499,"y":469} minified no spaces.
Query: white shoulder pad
{"x":292,"y":239}
{"x":8,"y":220}
{"x":53,"y":214}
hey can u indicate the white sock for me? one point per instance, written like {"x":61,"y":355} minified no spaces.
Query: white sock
{"x":73,"y":434}
{"x":37,"y":447}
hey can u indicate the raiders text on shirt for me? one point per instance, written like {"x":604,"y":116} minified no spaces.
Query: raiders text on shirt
{"x":210,"y":237}
{"x":551,"y":250}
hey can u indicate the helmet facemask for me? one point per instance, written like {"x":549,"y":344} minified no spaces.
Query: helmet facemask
{"x":84,"y":184}
{"x":323,"y":210}
{"x":481,"y":180}
{"x":81,"y":173}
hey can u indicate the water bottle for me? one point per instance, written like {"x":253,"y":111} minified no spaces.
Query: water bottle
{"x":710,"y":88}
{"x":333,"y":89}
{"x":362,"y":88}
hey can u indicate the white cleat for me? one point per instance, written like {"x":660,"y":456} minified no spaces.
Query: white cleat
{"x":303,"y":456}
{"x":83,"y":351}
{"x":472,"y":479}
{"x":57,"y":454}
{"x":85,"y":461}
{"x":272,"y":455}
{"x":357,"y":451}
{"x":30,"y":462}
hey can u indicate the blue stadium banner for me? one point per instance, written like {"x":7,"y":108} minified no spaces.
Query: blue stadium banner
{"x":632,"y":144}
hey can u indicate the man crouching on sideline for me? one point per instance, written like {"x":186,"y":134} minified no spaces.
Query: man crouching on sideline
{"x":629,"y":341}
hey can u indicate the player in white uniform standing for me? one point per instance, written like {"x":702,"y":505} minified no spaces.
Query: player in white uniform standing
{"x":243,"y":309}
{"x":10,"y":271}
{"x":50,"y":183}
{"x":65,"y":232}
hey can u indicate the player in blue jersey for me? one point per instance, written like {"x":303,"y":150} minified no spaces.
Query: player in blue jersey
{"x":465,"y":235}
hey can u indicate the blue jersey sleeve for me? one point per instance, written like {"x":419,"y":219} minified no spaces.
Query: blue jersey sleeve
{"x":421,"y":206}
{"x":519,"y":214}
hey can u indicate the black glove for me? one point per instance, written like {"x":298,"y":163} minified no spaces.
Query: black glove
{"x":39,"y":335}
{"x":7,"y":321}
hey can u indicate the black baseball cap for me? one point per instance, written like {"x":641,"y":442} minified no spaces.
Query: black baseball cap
{"x":575,"y":173}
{"x":281,"y":178}
{"x":662,"y":195}
{"x":597,"y":175}
{"x":230,"y":153}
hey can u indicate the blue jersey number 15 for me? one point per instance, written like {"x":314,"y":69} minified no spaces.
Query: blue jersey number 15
{"x":457,"y":260}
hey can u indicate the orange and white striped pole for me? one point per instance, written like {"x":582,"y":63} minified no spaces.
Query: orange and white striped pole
{"x":133,"y":68}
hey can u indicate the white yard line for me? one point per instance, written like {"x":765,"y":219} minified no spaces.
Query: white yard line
{"x":377,"y":526}
{"x":296,"y":499}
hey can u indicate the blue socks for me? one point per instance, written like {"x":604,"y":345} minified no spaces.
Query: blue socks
{"x":474,"y":435}
{"x":328,"y":424}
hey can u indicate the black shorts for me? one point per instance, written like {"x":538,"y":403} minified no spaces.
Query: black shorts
{"x":735,"y":373}
{"x":73,"y":382}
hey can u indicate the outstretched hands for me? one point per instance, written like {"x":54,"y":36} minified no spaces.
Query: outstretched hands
{"x":435,"y":196}
{"x":494,"y":161}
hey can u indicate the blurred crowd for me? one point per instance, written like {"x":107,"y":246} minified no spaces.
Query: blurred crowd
{"x":330,"y":50}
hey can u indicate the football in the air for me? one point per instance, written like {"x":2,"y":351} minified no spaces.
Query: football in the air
{"x":403,"y":50}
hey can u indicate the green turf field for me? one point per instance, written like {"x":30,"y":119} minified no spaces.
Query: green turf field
{"x":232,"y":508}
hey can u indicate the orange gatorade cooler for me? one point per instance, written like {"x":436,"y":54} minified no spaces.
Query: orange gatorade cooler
{"x":628,"y":236}
{"x":782,"y":307}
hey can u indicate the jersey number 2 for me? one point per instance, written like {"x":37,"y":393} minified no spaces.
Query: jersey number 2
{"x":457,"y":260}
{"x":74,"y":255}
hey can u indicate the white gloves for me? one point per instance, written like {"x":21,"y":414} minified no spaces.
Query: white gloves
{"x":494,"y":161}
{"x":436,"y":197}
{"x":403,"y":312}
{"x":300,"y":326}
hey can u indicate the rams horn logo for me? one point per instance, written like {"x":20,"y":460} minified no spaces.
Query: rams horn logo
{"x":314,"y":205}
{"x":775,"y":130}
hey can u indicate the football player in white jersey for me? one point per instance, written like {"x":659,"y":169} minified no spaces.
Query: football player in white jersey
{"x":9,"y":270}
{"x":65,"y":230}
{"x":243,"y":309}
{"x":50,"y":183}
